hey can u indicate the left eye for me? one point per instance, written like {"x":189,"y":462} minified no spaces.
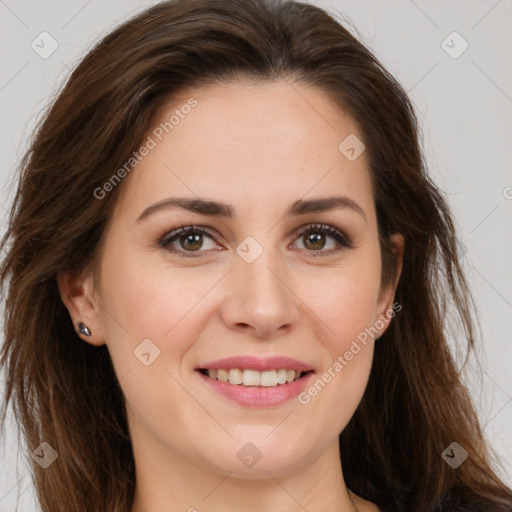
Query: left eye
{"x":191,"y":239}
{"x":311,"y":234}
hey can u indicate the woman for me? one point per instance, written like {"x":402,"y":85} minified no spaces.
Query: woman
{"x":228,"y":274}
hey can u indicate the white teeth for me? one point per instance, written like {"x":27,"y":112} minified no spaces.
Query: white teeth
{"x":268,"y":379}
{"x":251,"y":378}
{"x":235,"y":376}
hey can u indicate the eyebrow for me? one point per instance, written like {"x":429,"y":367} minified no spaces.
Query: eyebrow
{"x":217,"y":209}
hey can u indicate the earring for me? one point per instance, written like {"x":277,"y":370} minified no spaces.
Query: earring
{"x":83,"y":329}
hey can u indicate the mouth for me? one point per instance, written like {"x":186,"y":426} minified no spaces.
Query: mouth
{"x":253,"y":378}
{"x":256,"y":382}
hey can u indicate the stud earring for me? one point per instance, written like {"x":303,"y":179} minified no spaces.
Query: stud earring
{"x":83,"y":329}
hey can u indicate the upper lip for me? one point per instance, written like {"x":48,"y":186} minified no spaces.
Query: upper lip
{"x":257,"y":363}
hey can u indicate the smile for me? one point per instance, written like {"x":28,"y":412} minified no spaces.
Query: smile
{"x":254,"y":381}
{"x":247,"y":377}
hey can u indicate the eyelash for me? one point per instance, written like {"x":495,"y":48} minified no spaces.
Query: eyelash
{"x":166,"y":240}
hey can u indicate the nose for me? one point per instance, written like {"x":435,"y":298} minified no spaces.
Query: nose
{"x":260,"y":302}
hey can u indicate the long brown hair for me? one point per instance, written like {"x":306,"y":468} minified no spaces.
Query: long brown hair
{"x":65,"y":392}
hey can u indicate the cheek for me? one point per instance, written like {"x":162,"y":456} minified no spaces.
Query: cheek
{"x":150,"y":302}
{"x":345,"y":304}
{"x":160,"y":305}
{"x":346,"y":309}
{"x":337,"y":390}
{"x":164,"y":305}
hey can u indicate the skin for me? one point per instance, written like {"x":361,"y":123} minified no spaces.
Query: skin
{"x":257,"y":147}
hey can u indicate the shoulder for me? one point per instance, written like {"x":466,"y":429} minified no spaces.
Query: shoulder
{"x":461,"y":508}
{"x":452,"y":503}
{"x":455,"y":500}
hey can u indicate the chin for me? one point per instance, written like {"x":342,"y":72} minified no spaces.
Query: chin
{"x":256,"y":459}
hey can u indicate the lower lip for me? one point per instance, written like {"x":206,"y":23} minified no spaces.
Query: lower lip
{"x":258,"y":396}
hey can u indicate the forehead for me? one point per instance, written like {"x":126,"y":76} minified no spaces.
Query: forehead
{"x":257,"y":146}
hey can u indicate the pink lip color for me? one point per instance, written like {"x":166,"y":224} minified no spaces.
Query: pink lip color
{"x":256,"y":363}
{"x":254,"y":396}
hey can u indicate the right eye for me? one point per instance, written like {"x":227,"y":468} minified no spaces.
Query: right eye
{"x":190,"y":239}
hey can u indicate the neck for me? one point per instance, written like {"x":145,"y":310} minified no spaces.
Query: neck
{"x":169,"y":483}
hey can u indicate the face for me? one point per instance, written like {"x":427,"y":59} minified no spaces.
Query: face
{"x":269,"y":279}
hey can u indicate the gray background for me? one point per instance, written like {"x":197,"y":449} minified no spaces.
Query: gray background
{"x":464,"y":105}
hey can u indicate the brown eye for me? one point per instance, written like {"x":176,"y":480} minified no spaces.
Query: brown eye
{"x":314,"y":241}
{"x":187,"y":240}
{"x":191,"y":242}
{"x":316,"y":237}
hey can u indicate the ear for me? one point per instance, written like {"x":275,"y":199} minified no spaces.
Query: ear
{"x":78,"y":295}
{"x":385,"y":305}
